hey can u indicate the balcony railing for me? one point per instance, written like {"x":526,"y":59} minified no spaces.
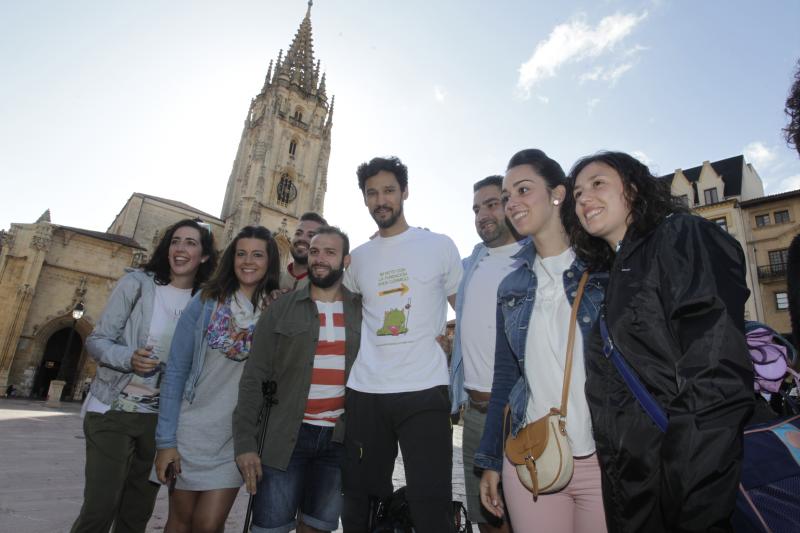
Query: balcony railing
{"x":772,"y":272}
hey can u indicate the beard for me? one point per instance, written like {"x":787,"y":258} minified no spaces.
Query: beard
{"x":387,"y":222}
{"x":496,"y":234}
{"x":328,"y":280}
{"x":490,"y":234}
{"x":300,"y":259}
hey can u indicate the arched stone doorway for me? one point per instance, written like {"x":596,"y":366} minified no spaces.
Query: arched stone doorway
{"x":48,"y":348}
{"x":60,"y":360}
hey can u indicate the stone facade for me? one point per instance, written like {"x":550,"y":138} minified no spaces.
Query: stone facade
{"x":144,"y":218}
{"x":279,"y":173}
{"x":773,"y":221}
{"x":45,"y":270}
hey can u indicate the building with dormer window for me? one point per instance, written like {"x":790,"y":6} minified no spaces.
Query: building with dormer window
{"x":730,"y":193}
{"x":714,"y":190}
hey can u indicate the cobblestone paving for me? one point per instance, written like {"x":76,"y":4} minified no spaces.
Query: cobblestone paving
{"x":41,"y":468}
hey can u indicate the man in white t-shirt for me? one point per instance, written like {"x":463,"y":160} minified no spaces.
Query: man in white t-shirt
{"x":397,"y":388}
{"x":472,"y":366}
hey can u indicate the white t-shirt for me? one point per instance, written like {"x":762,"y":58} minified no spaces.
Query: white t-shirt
{"x":404,"y":281}
{"x":546,"y":353}
{"x":141,"y":394}
{"x":478,"y":325}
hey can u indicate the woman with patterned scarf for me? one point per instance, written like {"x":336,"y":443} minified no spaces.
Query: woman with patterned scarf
{"x":194,"y":436}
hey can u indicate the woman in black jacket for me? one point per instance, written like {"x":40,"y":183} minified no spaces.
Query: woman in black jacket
{"x":675,"y":311}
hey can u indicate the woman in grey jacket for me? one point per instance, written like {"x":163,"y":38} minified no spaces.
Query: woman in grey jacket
{"x":130,"y":343}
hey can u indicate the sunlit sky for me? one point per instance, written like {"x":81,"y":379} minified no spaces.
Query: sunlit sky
{"x":101,"y":99}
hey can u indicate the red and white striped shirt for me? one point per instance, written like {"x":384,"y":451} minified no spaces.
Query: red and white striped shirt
{"x":326,"y":396}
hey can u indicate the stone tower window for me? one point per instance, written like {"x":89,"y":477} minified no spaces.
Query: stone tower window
{"x":287,"y":192}
{"x":293,"y":148}
{"x":298,"y":114}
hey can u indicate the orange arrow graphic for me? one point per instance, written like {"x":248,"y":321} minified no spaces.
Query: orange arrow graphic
{"x":402,"y":289}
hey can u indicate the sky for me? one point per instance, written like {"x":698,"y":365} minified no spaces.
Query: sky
{"x":100,"y":99}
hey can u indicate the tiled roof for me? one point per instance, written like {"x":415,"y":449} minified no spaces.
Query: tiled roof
{"x":179,"y":205}
{"x":770,"y":198}
{"x":730,"y":170}
{"x":112,"y":237}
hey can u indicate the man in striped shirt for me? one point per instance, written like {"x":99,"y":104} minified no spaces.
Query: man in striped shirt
{"x":306,"y":342}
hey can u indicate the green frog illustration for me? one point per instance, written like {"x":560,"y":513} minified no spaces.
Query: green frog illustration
{"x":394,"y":322}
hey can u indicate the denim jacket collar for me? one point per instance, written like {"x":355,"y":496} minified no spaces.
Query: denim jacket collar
{"x":527,"y":255}
{"x":516,"y":299}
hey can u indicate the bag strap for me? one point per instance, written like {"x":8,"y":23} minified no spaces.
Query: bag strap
{"x":573,"y":320}
{"x":643,"y":396}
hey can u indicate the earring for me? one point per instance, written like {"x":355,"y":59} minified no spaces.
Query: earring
{"x":556,"y":201}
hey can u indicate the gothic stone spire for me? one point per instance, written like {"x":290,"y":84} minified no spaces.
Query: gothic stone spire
{"x":298,"y":67}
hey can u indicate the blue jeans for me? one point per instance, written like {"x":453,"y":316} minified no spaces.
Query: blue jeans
{"x":310,"y":488}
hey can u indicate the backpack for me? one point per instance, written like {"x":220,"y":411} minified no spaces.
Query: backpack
{"x":772,"y":356}
{"x":768,"y":500}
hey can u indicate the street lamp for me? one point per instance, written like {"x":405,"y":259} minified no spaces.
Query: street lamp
{"x":77,"y":313}
{"x":57,"y":385}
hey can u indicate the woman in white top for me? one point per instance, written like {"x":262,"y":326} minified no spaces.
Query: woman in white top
{"x":534,"y":306}
{"x":130,"y":344}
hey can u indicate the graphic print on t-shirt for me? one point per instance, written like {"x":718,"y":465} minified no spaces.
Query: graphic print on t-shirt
{"x":393,"y":289}
{"x":141,"y":395}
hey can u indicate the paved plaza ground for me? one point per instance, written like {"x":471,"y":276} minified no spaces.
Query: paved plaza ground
{"x":41,"y":468}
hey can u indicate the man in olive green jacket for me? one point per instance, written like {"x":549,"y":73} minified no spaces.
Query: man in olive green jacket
{"x":306,"y":343}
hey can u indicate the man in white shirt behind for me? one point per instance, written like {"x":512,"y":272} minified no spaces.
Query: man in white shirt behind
{"x":397,"y":389}
{"x":472,"y":366}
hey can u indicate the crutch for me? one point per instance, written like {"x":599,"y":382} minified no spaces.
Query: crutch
{"x":268,"y":389}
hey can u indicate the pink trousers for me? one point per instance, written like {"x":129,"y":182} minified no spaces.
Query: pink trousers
{"x":577,"y":508}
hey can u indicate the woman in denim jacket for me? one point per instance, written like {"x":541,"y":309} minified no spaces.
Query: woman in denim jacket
{"x":129,"y":343}
{"x":533,"y":313}
{"x":198,"y":395}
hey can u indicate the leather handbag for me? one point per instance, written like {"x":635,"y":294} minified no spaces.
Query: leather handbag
{"x":540,"y":450}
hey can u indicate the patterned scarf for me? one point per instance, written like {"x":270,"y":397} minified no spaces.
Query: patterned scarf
{"x":232,"y":325}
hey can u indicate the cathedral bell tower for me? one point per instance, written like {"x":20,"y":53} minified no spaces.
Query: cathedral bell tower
{"x":281,"y":166}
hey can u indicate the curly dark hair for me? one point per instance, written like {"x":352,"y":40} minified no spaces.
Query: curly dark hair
{"x":649,"y":198}
{"x":159,"y":262}
{"x":224,"y":282}
{"x":792,"y":110}
{"x":389,"y":164}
